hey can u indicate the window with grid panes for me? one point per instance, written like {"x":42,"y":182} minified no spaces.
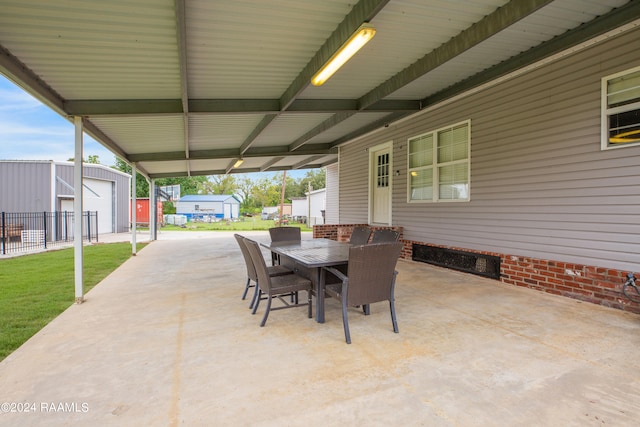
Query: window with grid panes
{"x":439,"y":165}
{"x":621,"y":109}
{"x":383,"y":170}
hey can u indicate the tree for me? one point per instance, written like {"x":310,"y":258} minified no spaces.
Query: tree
{"x":93,"y":159}
{"x":142,"y":186}
{"x":266,"y":191}
{"x":244,"y":188}
{"x":220,"y":184}
{"x":316,"y":177}
{"x":188,"y":184}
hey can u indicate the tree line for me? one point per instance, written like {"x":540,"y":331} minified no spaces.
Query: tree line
{"x":254,"y":190}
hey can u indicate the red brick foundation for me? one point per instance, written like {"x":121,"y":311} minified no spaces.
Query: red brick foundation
{"x":597,"y":285}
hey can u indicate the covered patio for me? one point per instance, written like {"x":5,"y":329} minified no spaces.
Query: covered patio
{"x":166,"y":340}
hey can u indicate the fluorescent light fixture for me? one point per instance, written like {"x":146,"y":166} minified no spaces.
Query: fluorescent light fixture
{"x":238,"y":163}
{"x":363,"y":34}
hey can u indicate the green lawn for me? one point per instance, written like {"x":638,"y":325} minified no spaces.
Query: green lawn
{"x":244,"y":224}
{"x":34,"y":289}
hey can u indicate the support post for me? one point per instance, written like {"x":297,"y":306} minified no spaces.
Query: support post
{"x":153,"y":210}
{"x":134,"y":209}
{"x":78,"y":255}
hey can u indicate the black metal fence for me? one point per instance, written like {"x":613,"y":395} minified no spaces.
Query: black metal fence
{"x":28,"y":231}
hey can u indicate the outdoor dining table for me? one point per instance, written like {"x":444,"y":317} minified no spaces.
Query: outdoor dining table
{"x":308,"y":257}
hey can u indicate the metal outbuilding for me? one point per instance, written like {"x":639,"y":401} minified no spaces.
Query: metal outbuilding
{"x":48,"y":186}
{"x":208,"y":207}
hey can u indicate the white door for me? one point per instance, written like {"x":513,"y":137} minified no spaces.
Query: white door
{"x":98,"y":196}
{"x":380,"y":189}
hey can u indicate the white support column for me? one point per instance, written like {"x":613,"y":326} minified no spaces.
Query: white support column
{"x":78,"y":203}
{"x":153,"y":208}
{"x":134,"y":209}
{"x":54,"y":202}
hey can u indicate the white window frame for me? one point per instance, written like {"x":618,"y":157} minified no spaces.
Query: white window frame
{"x":606,"y":112}
{"x":435,"y":166}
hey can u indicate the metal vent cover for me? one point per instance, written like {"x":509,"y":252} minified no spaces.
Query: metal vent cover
{"x":469,"y":262}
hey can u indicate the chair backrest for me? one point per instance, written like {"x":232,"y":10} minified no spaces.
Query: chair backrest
{"x":281,"y":234}
{"x":360,"y":236}
{"x":251,"y":269}
{"x":385,"y":235}
{"x":371,"y":272}
{"x":264,"y":281}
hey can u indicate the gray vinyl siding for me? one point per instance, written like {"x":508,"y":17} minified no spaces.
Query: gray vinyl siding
{"x":540,"y":184}
{"x":25,"y":186}
{"x":354,"y":182}
{"x":332,"y":203}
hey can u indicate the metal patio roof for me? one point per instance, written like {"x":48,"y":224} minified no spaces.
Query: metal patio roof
{"x":187,"y":87}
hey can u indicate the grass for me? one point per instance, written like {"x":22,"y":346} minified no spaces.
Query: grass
{"x":34,"y":289}
{"x":245,"y":224}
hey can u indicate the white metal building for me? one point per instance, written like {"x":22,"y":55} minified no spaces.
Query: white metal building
{"x":208,"y":207}
{"x":317,"y":206}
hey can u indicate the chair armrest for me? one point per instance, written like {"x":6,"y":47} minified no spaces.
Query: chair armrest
{"x":339,"y":274}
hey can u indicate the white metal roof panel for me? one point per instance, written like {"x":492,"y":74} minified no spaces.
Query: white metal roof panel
{"x":549,"y":22}
{"x":145,"y":134}
{"x":112,"y":50}
{"x":406,"y":31}
{"x":246,"y":49}
{"x":208,"y":132}
{"x":238,"y":71}
{"x":288,"y":127}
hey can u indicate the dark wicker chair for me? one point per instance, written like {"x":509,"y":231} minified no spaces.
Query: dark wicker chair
{"x":360,"y":235}
{"x":371,"y":278}
{"x":385,"y":235}
{"x":277,"y":286}
{"x":283,"y":234}
{"x":252,"y":276}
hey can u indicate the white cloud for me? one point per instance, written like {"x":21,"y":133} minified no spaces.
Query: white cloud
{"x":29,"y":130}
{"x":17,"y":100}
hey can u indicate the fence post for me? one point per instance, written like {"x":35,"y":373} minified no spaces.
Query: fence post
{"x":4,"y":237}
{"x":96,"y":233}
{"x":44,"y":221}
{"x":88,"y":226}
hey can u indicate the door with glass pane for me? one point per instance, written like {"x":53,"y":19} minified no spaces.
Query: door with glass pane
{"x":380,"y":192}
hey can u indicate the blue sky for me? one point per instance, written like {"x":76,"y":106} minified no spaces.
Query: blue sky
{"x":29,"y":130}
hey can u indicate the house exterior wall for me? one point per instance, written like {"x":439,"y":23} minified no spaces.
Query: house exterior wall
{"x":299,"y":207}
{"x":317,"y":204}
{"x":542,"y":190}
{"x":25,"y":186}
{"x":332,"y":215}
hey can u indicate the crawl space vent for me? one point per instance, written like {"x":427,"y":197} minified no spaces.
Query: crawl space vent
{"x":469,"y":262}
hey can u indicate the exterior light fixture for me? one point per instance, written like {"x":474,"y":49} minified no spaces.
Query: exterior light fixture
{"x":238,"y":163}
{"x":363,"y":34}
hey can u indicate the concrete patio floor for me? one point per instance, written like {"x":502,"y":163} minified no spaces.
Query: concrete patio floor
{"x":166,"y":341}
